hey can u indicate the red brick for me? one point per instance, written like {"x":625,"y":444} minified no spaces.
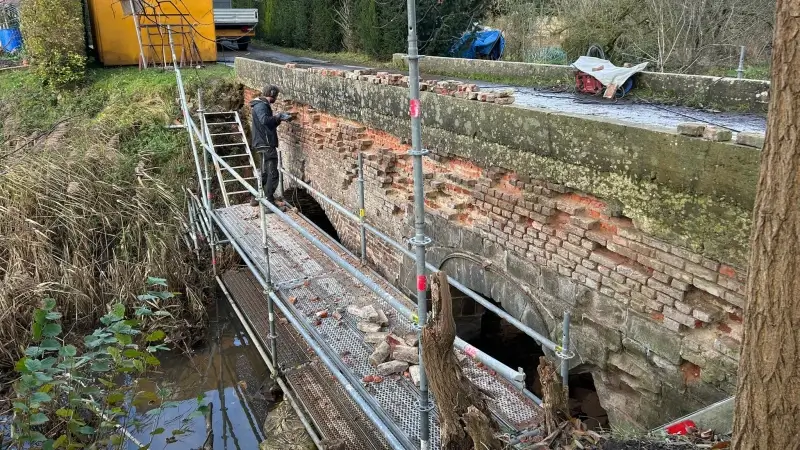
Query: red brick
{"x":650,"y":262}
{"x":587,"y":223}
{"x":662,"y":277}
{"x":604,"y":259}
{"x":596,"y":237}
{"x":670,"y":259}
{"x":702,"y":272}
{"x":580,"y":251}
{"x":633,"y":273}
{"x":624,"y":251}
{"x":685,"y":254}
{"x":591,"y":274}
{"x":668,"y":290}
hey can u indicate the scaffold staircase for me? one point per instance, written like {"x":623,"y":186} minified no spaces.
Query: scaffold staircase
{"x":226,"y":135}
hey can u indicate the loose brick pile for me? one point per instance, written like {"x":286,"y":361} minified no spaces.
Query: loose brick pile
{"x":453,"y":88}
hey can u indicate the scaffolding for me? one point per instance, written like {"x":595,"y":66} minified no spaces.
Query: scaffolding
{"x":152,"y":19}
{"x":206,"y":221}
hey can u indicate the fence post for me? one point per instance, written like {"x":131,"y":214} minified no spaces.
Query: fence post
{"x":362,"y":213}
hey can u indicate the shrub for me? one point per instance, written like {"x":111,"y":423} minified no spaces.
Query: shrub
{"x":71,"y":396}
{"x":53,"y":31}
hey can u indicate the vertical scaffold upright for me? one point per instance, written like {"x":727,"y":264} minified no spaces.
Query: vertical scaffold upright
{"x":419,"y":241}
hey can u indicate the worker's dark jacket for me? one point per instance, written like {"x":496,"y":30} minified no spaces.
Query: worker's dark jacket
{"x":265,"y":128}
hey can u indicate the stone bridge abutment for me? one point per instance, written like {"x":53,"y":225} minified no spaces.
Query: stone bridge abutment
{"x":641,"y":234}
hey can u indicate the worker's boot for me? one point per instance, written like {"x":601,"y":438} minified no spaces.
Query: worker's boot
{"x":254,"y":202}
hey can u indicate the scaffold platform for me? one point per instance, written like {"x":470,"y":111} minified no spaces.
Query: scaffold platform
{"x":307,"y":282}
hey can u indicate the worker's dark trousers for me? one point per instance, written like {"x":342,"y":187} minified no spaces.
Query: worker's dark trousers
{"x":269,"y":173}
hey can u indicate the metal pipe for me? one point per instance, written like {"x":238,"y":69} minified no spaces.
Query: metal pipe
{"x":419,"y":241}
{"x":362,"y":213}
{"x":142,"y":59}
{"x":280,"y":172}
{"x":547,"y":343}
{"x":354,"y":390}
{"x":527,"y":434}
{"x":565,"y":347}
{"x":740,"y":70}
{"x":257,"y":343}
{"x":515,"y":376}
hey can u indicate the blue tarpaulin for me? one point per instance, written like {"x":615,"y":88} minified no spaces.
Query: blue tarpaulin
{"x":487,"y":44}
{"x":10,"y":40}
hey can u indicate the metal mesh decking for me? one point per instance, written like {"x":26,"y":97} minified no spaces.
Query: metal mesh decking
{"x":313,"y":282}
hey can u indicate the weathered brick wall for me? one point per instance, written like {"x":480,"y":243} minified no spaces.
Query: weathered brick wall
{"x":657,"y":323}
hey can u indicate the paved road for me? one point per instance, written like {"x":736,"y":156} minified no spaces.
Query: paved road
{"x":633,"y":112}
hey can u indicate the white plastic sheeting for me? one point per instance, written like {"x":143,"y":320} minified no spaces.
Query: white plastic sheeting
{"x":606,"y":72}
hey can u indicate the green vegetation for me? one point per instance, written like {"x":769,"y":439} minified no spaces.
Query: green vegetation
{"x":71,"y":396}
{"x":54,"y":39}
{"x":92,"y":198}
{"x":373,"y":27}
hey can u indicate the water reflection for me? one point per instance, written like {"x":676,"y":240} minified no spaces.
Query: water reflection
{"x":227,"y":373}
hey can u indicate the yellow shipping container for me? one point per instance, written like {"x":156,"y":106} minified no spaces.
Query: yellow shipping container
{"x":117,"y":41}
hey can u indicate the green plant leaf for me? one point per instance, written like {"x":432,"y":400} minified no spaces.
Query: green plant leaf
{"x":142,"y":311}
{"x":86,"y":429}
{"x":156,"y":336}
{"x":36,"y":331}
{"x":19,"y":406}
{"x":50,"y":344}
{"x":40,"y":397}
{"x":68,"y":350}
{"x":51,"y":330}
{"x":53,"y":315}
{"x":115,"y":397}
{"x":35,"y":436}
{"x":153,"y":281}
{"x":157,"y":431}
{"x":131,"y":353}
{"x":38,"y":419}
{"x":101,"y":366}
{"x":118,"y":310}
{"x":34,"y":352}
{"x":33,"y":364}
{"x":64,"y":413}
{"x":48,"y":304}
{"x":43,"y":377}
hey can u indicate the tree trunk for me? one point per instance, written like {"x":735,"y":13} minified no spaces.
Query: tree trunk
{"x":463,"y":415}
{"x":768,"y":395}
{"x":554,"y":395}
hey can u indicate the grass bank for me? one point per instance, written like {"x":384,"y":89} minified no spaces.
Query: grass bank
{"x":91,"y":199}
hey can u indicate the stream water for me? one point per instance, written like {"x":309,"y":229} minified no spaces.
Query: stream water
{"x":226,"y":373}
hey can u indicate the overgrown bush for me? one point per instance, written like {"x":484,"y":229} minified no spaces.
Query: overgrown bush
{"x":70,"y":396}
{"x":53,"y":31}
{"x":695,"y":36}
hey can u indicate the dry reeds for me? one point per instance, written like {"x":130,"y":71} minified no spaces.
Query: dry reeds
{"x":85,"y":224}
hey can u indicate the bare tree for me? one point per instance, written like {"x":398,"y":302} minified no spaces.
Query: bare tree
{"x":767,"y":414}
{"x":344,"y":18}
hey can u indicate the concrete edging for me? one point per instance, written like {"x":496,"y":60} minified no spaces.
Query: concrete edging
{"x":729,"y":94}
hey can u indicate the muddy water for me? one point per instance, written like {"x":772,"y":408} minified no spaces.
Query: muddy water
{"x":227,"y":373}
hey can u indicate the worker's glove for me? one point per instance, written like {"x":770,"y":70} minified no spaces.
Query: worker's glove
{"x":284,"y":116}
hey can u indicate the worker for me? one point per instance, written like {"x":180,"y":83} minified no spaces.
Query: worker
{"x":265,"y":140}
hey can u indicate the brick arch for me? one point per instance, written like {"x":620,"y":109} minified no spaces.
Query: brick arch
{"x":470,"y":270}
